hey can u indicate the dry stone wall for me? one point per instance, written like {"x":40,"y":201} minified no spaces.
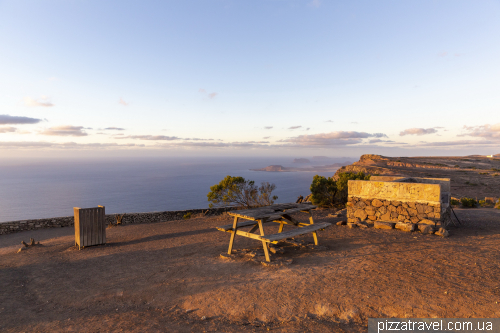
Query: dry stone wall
{"x":128,"y":218}
{"x":371,"y":210}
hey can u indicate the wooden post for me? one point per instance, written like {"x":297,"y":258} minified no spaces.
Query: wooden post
{"x":315,"y":234}
{"x":233,"y":234}
{"x":264,"y":243}
{"x":90,"y":228}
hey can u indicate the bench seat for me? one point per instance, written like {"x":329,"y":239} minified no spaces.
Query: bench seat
{"x":295,"y":232}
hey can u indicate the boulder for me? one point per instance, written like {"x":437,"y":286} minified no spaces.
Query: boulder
{"x":384,"y":225}
{"x":425,"y":221}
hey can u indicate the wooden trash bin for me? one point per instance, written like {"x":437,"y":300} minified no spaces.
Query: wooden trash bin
{"x":90,"y":227}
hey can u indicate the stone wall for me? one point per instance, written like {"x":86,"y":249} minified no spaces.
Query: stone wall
{"x":128,"y":218}
{"x":371,"y":210}
{"x":399,"y":200}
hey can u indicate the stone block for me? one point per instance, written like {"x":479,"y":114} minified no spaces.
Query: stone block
{"x":383,"y":210}
{"x":412,"y":205}
{"x":377,"y":203}
{"x":384,"y":225}
{"x":370,"y":210}
{"x":372,"y":217}
{"x":426,"y":229}
{"x":396,"y":203}
{"x":391,"y":208}
{"x":426,"y":221}
{"x":405,"y":227}
{"x":386,"y":216}
{"x":361,"y":214}
{"x":352,"y":220}
{"x":428,"y":209}
{"x":352,"y":225}
{"x":394,"y":215}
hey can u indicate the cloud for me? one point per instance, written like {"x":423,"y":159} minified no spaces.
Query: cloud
{"x":42,"y":101}
{"x":114,"y":129}
{"x":7,"y":129}
{"x":339,"y":138}
{"x":5,"y":119}
{"x":418,"y":131}
{"x":476,"y":143}
{"x":65,"y":131}
{"x":266,"y":137}
{"x":212,"y":95}
{"x":202,"y":90}
{"x":122,"y":102}
{"x":294,"y":127}
{"x":268,"y":127}
{"x":66,"y":145}
{"x":197,"y":139}
{"x":483,"y":131}
{"x":379,"y":140}
{"x":151,"y":137}
{"x":443,"y":54}
{"x":329,"y":121}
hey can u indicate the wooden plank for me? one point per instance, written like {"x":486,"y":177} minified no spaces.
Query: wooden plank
{"x":264,"y":243}
{"x":315,"y":235}
{"x":233,"y":235}
{"x":76,"y":213}
{"x":229,"y":227}
{"x":296,"y":232}
{"x":102,"y":218}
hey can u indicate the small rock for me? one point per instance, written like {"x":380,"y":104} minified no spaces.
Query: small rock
{"x":362,"y":225}
{"x":204,"y":318}
{"x":352,"y":225}
{"x":426,"y":229}
{"x":442,"y":232}
{"x":426,"y":221}
{"x":225,"y":256}
{"x":341,"y":223}
{"x":409,"y":227}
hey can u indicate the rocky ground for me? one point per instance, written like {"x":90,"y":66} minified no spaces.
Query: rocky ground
{"x":170,"y":277}
{"x":471,"y":176}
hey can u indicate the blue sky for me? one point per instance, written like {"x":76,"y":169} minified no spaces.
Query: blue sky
{"x":261,"y":78}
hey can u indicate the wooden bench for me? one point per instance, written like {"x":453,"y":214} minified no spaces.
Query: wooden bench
{"x":279,"y":213}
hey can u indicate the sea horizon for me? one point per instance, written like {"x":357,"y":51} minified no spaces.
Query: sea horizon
{"x":48,"y":188}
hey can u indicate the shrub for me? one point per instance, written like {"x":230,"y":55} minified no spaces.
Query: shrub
{"x":323,"y":191}
{"x":468,"y":202}
{"x":482,"y":203}
{"x":330,"y":192}
{"x":454,"y":202}
{"x":238,"y":192}
{"x":187,"y":216}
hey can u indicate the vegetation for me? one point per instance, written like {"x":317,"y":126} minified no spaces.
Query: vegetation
{"x":242,"y":193}
{"x":454,"y":202}
{"x":468,"y":202}
{"x":328,"y":192}
{"x":187,"y":216}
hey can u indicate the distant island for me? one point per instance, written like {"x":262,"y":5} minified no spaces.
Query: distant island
{"x":322,"y":168}
{"x":301,"y":160}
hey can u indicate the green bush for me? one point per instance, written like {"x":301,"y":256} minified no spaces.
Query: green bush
{"x":482,"y":203}
{"x":323,"y":191}
{"x":330,"y":192}
{"x":238,"y":192}
{"x":454,"y":202}
{"x":187,"y":216}
{"x":468,"y":202}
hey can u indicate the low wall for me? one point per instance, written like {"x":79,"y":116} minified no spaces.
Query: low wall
{"x":371,"y":210}
{"x":128,"y":218}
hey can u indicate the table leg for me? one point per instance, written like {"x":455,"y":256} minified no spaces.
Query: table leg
{"x":264,"y":243}
{"x":315,"y":235}
{"x":233,"y":234}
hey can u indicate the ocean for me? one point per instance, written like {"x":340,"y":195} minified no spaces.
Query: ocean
{"x":51,"y":188}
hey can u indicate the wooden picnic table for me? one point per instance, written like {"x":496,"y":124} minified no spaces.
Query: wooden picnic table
{"x":278,"y":213}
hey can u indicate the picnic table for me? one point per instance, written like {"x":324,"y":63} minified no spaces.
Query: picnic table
{"x":255,"y":218}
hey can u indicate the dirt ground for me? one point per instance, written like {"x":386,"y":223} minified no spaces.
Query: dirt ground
{"x":169,"y":277}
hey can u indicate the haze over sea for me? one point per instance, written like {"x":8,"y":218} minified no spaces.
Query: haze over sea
{"x":51,"y":188}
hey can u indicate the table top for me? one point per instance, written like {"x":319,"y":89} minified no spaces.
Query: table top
{"x":270,"y":211}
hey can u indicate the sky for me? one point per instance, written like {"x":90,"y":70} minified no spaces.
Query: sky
{"x":249,"y":78}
